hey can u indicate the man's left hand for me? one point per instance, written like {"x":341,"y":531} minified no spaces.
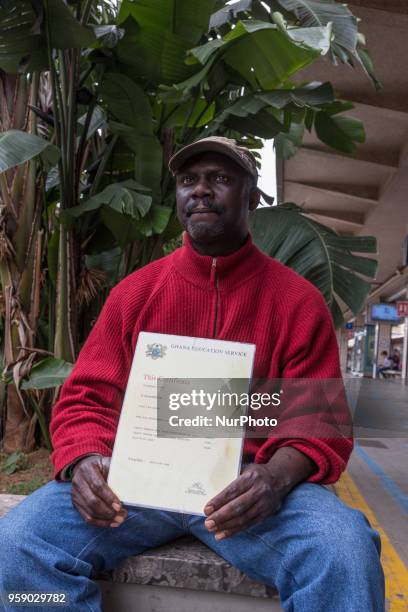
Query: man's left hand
{"x":249,"y":499}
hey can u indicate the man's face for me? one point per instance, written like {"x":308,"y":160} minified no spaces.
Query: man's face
{"x":213,"y":199}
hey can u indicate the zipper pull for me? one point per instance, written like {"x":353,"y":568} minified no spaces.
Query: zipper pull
{"x":213,"y":269}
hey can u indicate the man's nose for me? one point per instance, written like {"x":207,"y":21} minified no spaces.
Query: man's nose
{"x":202,"y":188}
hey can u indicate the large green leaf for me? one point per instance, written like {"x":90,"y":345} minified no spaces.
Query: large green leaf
{"x":47,"y":374}
{"x":315,"y":96}
{"x":339,"y":132}
{"x":319,"y":13}
{"x":263,"y":53}
{"x":157,"y":35}
{"x":66,"y":32}
{"x":192,"y":113}
{"x":23,"y":33}
{"x":17,"y":147}
{"x":122,"y":227}
{"x":124,"y":197}
{"x":287,"y":144}
{"x":155,"y":222}
{"x":18,"y":37}
{"x":127,"y":101}
{"x":127,"y":229}
{"x":318,"y":254}
{"x":311,"y":95}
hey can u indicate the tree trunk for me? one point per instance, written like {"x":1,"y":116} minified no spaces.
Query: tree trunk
{"x":19,"y":432}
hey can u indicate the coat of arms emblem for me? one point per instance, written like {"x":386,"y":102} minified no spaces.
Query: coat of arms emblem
{"x":156,"y":351}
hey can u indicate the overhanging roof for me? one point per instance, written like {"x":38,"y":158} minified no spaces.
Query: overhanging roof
{"x":366,"y":194}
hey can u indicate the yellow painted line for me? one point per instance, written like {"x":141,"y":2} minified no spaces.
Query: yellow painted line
{"x":395,"y":571}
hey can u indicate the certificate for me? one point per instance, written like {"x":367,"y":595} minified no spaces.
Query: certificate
{"x":154,"y":463}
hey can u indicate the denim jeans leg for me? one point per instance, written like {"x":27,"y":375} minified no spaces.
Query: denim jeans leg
{"x":319,"y":553}
{"x":46,"y":546}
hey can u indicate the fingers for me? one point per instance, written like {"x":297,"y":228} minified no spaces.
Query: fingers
{"x":240,"y":485}
{"x":254,"y":514}
{"x":247,"y":500}
{"x":94,"y":500}
{"x":234,"y":510}
{"x":92,"y":520}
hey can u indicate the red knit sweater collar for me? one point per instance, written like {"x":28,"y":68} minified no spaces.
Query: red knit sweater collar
{"x":206,"y":271}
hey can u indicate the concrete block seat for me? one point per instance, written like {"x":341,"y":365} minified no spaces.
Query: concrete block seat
{"x":181,"y":576}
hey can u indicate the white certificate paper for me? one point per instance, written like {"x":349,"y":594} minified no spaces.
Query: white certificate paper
{"x":176,"y":474}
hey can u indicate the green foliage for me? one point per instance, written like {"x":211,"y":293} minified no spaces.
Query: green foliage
{"x":23,"y":33}
{"x":27,"y":487}
{"x":47,"y":374}
{"x":317,"y":253}
{"x":13,"y":463}
{"x":17,"y":147}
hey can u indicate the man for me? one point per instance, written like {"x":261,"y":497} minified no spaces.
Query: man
{"x":387,"y":364}
{"x":274,"y":521}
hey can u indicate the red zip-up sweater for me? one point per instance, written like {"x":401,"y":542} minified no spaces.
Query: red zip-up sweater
{"x":244,"y":297}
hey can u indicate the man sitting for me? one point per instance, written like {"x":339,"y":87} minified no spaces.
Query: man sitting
{"x":387,"y":364}
{"x":275,"y":521}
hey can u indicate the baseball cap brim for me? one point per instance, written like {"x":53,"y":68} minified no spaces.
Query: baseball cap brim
{"x":202,"y":146}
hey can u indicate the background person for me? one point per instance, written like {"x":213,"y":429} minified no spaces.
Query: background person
{"x":387,"y":364}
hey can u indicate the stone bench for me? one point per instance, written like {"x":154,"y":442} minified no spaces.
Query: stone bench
{"x":393,"y":373}
{"x":181,"y":576}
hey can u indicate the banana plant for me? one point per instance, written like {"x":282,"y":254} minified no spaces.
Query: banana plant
{"x":21,"y":246}
{"x":318,"y":254}
{"x":97,"y":95}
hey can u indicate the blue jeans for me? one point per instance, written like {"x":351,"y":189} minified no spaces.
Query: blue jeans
{"x":320,"y":554}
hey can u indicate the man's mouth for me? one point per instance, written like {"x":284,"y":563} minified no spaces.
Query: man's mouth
{"x":202,"y":211}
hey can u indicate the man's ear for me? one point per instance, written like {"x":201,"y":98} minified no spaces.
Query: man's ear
{"x":254,"y":199}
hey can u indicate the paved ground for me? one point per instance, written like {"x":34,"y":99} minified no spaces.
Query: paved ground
{"x":377,"y":476}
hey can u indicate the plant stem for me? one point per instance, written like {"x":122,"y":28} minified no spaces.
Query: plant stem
{"x":63,"y":81}
{"x":102,"y":165}
{"x":41,"y":421}
{"x":71,"y":131}
{"x":5,"y":194}
{"x":82,"y":141}
{"x":187,"y":120}
{"x":86,"y":12}
{"x":59,"y":139}
{"x":86,"y":74}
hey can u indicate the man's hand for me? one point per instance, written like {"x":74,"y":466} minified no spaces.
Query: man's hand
{"x":249,"y":499}
{"x":91,"y":496}
{"x":257,"y":493}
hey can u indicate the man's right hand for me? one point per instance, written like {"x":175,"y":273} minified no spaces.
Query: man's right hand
{"x":95,"y":501}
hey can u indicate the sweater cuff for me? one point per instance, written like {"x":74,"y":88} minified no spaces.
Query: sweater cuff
{"x":67,"y":472}
{"x":323,"y":467}
{"x":65,"y":457}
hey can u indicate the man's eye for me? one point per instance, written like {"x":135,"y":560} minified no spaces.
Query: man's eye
{"x":221,"y":178}
{"x":187,"y":180}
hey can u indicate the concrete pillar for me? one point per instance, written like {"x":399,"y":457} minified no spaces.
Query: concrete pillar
{"x":342,"y":337}
{"x":404,"y":370}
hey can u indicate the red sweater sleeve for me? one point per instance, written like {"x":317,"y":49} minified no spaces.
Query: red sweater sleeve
{"x":85,"y":417}
{"x":312,"y":353}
